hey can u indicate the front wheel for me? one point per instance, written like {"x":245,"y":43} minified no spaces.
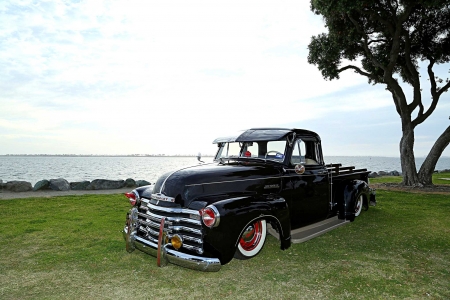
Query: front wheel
{"x":252,"y":240}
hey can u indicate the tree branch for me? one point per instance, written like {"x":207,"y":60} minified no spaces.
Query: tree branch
{"x":434,"y":98}
{"x":374,"y":16}
{"x":444,"y":89}
{"x":417,"y":95}
{"x":365,"y":43}
{"x":377,"y":41}
{"x":392,"y":9}
{"x":395,"y":49}
{"x":432,"y":158}
{"x":358,"y":70}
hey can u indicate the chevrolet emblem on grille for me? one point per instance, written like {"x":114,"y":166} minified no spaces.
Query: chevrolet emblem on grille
{"x":161,"y":197}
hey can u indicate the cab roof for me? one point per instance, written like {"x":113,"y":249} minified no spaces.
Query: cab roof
{"x":267,"y":134}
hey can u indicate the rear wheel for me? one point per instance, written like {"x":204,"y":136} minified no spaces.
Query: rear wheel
{"x":359,"y":205}
{"x":252,"y":240}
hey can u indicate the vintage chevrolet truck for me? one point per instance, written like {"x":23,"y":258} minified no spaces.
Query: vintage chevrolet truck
{"x":200,"y":217}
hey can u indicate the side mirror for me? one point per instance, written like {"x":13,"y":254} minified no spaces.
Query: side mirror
{"x":199,"y":157}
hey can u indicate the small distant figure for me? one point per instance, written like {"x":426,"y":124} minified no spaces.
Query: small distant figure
{"x":199,"y":157}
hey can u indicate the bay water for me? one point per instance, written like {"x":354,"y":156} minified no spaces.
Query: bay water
{"x":78,"y":168}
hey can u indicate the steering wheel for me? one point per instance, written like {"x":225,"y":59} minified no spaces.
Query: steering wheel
{"x":273,"y":151}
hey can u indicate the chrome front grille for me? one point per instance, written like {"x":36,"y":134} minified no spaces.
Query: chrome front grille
{"x":184,"y":222}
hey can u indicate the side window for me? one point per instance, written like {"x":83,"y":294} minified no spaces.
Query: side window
{"x":298,"y":154}
{"x":312,"y":150}
{"x":250,"y":149}
{"x":275,"y":150}
{"x":233,"y":149}
{"x":229,"y":150}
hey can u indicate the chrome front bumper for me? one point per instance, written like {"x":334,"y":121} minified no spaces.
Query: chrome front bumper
{"x":166,"y":255}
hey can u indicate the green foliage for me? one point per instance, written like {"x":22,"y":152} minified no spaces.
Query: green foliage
{"x":387,"y":36}
{"x":71,"y":247}
{"x":384,"y":40}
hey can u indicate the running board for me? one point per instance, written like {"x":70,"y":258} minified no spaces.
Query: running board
{"x":306,"y":233}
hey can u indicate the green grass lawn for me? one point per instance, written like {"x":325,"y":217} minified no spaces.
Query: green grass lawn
{"x":438,"y":178}
{"x":71,"y":247}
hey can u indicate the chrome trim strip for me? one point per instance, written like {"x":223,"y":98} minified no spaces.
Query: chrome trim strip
{"x":171,"y":229}
{"x":157,"y":218}
{"x":174,"y":209}
{"x":149,"y":223}
{"x":184,"y":228}
{"x":241,"y":180}
{"x":193,"y":239}
{"x":193,"y":248}
{"x":198,"y":249}
{"x":151,"y":231}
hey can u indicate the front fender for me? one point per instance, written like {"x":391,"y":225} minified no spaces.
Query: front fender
{"x":235,"y":213}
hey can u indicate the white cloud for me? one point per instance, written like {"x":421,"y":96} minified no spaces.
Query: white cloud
{"x":161,"y":76}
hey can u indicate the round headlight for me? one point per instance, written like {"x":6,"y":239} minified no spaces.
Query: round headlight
{"x":210,"y":216}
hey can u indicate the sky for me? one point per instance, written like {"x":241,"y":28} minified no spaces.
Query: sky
{"x":168,"y":77}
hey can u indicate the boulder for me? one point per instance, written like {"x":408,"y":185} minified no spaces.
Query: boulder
{"x":59,"y":184}
{"x":373,"y":175}
{"x":129,"y":182}
{"x":41,"y":185}
{"x":18,"y":186}
{"x":80,"y":185}
{"x":104,"y":184}
{"x":394,"y":173}
{"x":142,"y":183}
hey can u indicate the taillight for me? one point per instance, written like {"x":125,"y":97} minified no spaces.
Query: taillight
{"x":210,"y":216}
{"x":132,"y":197}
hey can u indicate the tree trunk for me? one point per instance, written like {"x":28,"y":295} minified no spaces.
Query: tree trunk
{"x":428,"y":166}
{"x":407,"y":158}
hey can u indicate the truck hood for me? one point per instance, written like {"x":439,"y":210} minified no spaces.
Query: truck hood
{"x":209,"y":183}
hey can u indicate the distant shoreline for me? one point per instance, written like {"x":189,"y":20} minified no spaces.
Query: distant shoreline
{"x":99,"y":155}
{"x":169,"y":155}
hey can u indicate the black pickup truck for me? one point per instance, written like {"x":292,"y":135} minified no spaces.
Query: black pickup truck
{"x":200,"y":217}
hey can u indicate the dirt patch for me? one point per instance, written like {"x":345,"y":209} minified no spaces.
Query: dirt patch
{"x":433,"y":189}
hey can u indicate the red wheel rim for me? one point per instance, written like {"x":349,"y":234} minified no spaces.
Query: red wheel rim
{"x":251,"y":236}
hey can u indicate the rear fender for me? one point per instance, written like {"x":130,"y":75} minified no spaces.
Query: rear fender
{"x":352,"y":191}
{"x":235,"y":213}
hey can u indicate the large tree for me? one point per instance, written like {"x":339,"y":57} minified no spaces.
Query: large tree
{"x":385,"y":41}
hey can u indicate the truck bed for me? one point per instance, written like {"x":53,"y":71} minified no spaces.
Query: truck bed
{"x":338,"y":172}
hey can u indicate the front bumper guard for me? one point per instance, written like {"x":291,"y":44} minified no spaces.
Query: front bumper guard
{"x":162,"y":251}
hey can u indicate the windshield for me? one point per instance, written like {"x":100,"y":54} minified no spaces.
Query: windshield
{"x":271,"y":150}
